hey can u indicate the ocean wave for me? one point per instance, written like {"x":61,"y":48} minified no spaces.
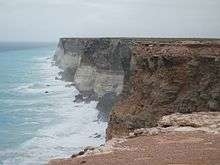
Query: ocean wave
{"x":65,"y":127}
{"x":73,"y":130}
{"x":61,"y":139}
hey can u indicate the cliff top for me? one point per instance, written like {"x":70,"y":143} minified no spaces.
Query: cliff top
{"x":148,"y":39}
{"x":178,"y":48}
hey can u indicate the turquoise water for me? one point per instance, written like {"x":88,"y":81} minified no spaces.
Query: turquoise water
{"x":36,"y":126}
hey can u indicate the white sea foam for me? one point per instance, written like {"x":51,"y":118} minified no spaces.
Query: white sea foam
{"x":74,"y":125}
{"x":76,"y":130}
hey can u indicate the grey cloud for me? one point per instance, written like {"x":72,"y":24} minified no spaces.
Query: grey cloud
{"x":47,"y":20}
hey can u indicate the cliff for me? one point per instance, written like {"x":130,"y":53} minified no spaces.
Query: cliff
{"x":96,"y":66}
{"x":143,"y":79}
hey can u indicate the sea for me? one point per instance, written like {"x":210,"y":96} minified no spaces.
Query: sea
{"x":38,"y":119}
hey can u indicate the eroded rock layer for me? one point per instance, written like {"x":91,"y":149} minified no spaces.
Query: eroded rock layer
{"x":95,"y":65}
{"x":167,"y":78}
{"x":149,"y":77}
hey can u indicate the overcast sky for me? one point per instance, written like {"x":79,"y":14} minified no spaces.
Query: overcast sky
{"x":48,"y":20}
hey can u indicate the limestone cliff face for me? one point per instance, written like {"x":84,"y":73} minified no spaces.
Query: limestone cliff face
{"x":149,"y":77}
{"x":94,"y":65}
{"x":167,"y":77}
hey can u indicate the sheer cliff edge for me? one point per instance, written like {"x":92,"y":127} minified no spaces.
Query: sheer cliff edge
{"x":140,"y":80}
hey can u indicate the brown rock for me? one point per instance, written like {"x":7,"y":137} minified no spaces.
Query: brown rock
{"x":81,"y":153}
{"x":167,"y":78}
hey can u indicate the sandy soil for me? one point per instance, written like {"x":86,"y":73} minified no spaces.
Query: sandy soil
{"x":176,"y":148}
